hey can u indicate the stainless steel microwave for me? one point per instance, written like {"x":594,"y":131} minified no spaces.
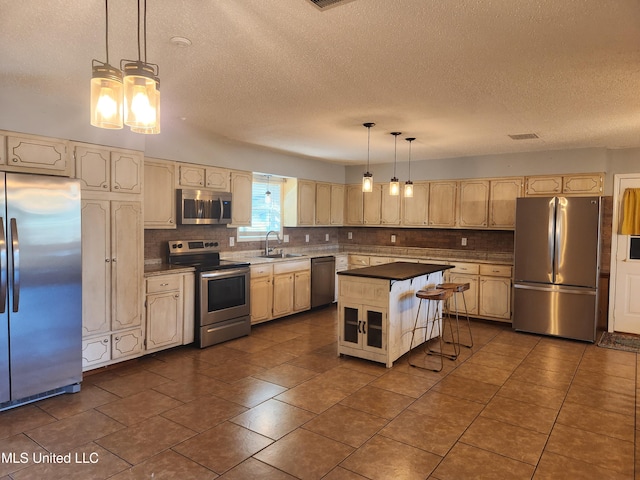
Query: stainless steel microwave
{"x":203,"y":207}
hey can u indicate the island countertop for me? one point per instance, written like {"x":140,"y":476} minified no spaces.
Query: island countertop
{"x":396,"y":270}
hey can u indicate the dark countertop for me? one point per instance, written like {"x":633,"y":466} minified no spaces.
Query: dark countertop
{"x":396,"y":270}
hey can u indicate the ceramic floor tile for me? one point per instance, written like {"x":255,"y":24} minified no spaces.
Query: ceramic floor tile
{"x":513,"y":351}
{"x":21,"y":419}
{"x":87,"y":398}
{"x":269,"y":358}
{"x":532,"y":393}
{"x":19,"y":450}
{"x":553,"y":364}
{"x":204,"y":412}
{"x":403,"y":383}
{"x":70,"y":432}
{"x":286,"y":375}
{"x":455,"y":410}
{"x":316,"y":362}
{"x":128,"y":385}
{"x":553,"y":467}
{"x":220,"y":354}
{"x":139,"y":407}
{"x":146,"y":439}
{"x":250,"y":344}
{"x":273,"y":418}
{"x":167,"y":465}
{"x":511,"y":337}
{"x":495,"y":360}
{"x":546,"y":378}
{"x":222,"y":447}
{"x":504,"y":439}
{"x":377,"y":401}
{"x":180,"y":368}
{"x":191,"y":388}
{"x":250,"y":391}
{"x":465,"y":461}
{"x":600,"y":367}
{"x":346,"y":425}
{"x":534,"y":417}
{"x":588,"y":447}
{"x":254,"y":469}
{"x":340,"y":473}
{"x":597,"y":420}
{"x":610,"y":401}
{"x":233,"y":370}
{"x":382,"y":458}
{"x":610,"y":355}
{"x":482,"y":373}
{"x":467,"y":388}
{"x":608,"y":383}
{"x":304,"y":454}
{"x":312,"y":397}
{"x":343,"y":379}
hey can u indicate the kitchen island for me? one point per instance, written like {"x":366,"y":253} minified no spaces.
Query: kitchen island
{"x":377,"y":307}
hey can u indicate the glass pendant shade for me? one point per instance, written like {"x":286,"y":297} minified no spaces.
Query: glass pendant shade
{"x":155,"y":102}
{"x":408,"y":189}
{"x":141,"y":97}
{"x":367,"y":182}
{"x":267,"y":197}
{"x":106,"y":96}
{"x":367,"y":178}
{"x":394,"y":187}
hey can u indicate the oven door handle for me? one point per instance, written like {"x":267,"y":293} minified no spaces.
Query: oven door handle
{"x":230,"y":272}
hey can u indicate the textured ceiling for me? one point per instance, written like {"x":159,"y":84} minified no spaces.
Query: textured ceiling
{"x":458,"y":75}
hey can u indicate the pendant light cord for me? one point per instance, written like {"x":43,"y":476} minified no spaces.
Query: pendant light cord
{"x":395,"y":154}
{"x":368,"y":145}
{"x":106,"y":28}
{"x":410,"y":159}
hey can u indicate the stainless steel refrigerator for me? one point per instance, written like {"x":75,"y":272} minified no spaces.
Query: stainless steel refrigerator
{"x":556,"y":266}
{"x":40,"y":288}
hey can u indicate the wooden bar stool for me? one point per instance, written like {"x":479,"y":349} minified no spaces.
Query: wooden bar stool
{"x":455,"y":288}
{"x":435,"y":298}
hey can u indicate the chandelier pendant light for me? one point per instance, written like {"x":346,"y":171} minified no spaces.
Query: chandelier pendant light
{"x":267,"y":194}
{"x":394,"y":185}
{"x":141,"y":88}
{"x":408,"y":185}
{"x":106,"y":89}
{"x":367,"y":178}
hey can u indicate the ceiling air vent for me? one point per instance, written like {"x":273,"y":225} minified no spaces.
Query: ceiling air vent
{"x":524,"y":136}
{"x":322,"y":4}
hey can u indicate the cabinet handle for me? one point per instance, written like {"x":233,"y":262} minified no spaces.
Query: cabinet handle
{"x":363,"y":330}
{"x":14,"y":159}
{"x":113,"y":260}
{"x":177,"y":295}
{"x":117,"y":339}
{"x":104,"y":186}
{"x":116,"y":187}
{"x":164,"y":284}
{"x":359,"y":322}
{"x":107,"y":260}
{"x":106,"y":340}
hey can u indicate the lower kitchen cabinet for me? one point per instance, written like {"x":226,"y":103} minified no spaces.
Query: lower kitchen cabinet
{"x":363,"y":327}
{"x":261,"y":292}
{"x":495,"y":292}
{"x":465,"y":273}
{"x":104,"y":349}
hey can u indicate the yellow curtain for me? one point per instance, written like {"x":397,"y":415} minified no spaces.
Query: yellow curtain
{"x":630,"y":212}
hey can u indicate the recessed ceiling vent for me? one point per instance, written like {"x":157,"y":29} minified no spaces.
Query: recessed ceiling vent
{"x":322,"y":4}
{"x":524,"y":136}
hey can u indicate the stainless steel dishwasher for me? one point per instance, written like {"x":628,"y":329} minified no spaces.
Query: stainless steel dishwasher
{"x":323,"y":279}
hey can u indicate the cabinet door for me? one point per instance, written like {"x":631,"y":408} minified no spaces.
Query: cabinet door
{"x":306,"y":202}
{"x":3,"y":150}
{"x":372,"y":204}
{"x":126,"y":172}
{"x":126,"y":264}
{"x":502,"y":202}
{"x":337,"y":204}
{"x":241,"y":187}
{"x":544,"y":185}
{"x":349,"y":318}
{"x":389,"y":207}
{"x":302,"y":291}
{"x":159,"y":195}
{"x":415,"y":211}
{"x":126,"y":344}
{"x":163,"y":320}
{"x":323,"y":203}
{"x":473,"y":203}
{"x":354,"y":199}
{"x":282,"y":294}
{"x":261,"y":299}
{"x":442,"y":204}
{"x":470,"y":296}
{"x":38,"y":155}
{"x":93,"y":167}
{"x":218,"y":178}
{"x":495,"y":297}
{"x":96,"y":350}
{"x":590,"y":184}
{"x":96,"y":267}
{"x":374,"y":329}
{"x":191,"y":176}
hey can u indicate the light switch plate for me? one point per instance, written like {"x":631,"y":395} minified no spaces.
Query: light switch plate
{"x":306,"y":238}
{"x":464,"y":242}
{"x":393,"y":239}
{"x":232,"y":241}
{"x":286,"y":239}
{"x":326,"y":237}
{"x":350,"y":236}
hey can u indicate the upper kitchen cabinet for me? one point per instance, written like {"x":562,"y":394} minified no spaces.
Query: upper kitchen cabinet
{"x":571,"y":184}
{"x":159,"y":194}
{"x":372,"y":205}
{"x":337,"y":204}
{"x":323,"y":203}
{"x":415,"y":211}
{"x":502,"y":201}
{"x":104,"y":169}
{"x":354,"y":201}
{"x":299,"y":203}
{"x":197,"y":176}
{"x":241,"y":189}
{"x":442,"y":203}
{"x":389,"y":207}
{"x":473,"y":202}
{"x":33,"y":154}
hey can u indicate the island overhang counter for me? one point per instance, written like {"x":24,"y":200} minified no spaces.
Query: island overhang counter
{"x":377,"y":308}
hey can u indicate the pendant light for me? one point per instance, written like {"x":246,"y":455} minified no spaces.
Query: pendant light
{"x":106,"y":89}
{"x":267,"y":194}
{"x":367,"y":178}
{"x":141,"y":88}
{"x":408,"y":185}
{"x":394,"y":185}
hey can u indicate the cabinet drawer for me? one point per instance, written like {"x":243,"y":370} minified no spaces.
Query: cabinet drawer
{"x":468,"y":268}
{"x":359,"y":260}
{"x":295,"y":266}
{"x":163,"y":283}
{"x":342,"y":262}
{"x":261,"y":271}
{"x":379,"y":260}
{"x":496,"y":270}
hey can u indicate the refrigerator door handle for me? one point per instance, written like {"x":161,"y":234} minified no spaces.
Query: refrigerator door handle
{"x":551,"y":240}
{"x":556,"y":288}
{"x":15,"y":271}
{"x":3,"y":268}
{"x":559,"y":240}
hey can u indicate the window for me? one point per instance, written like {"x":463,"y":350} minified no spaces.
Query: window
{"x":265,"y":216}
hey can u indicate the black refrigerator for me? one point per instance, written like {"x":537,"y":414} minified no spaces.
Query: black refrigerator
{"x":557,"y":266}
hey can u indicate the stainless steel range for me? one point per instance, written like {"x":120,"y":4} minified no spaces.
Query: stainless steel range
{"x":222,"y":300}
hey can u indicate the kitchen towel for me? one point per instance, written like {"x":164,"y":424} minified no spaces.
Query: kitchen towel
{"x":630,"y":212}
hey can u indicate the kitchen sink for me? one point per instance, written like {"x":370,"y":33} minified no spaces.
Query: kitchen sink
{"x":283,"y":255}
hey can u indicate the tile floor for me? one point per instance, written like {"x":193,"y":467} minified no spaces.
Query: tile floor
{"x":281,"y":405}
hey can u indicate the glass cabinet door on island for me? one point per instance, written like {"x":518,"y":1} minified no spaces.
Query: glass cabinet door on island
{"x":363,"y":327}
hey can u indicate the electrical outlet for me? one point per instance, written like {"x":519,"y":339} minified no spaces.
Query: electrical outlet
{"x":326,"y":237}
{"x":306,"y":238}
{"x":350,"y":236}
{"x":393,"y":239}
{"x":286,"y":239}
{"x":232,"y":241}
{"x":464,"y":242}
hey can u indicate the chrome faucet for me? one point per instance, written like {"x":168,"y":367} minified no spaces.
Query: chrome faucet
{"x":267,"y":250}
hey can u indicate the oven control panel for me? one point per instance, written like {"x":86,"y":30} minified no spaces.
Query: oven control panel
{"x":192,"y":246}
